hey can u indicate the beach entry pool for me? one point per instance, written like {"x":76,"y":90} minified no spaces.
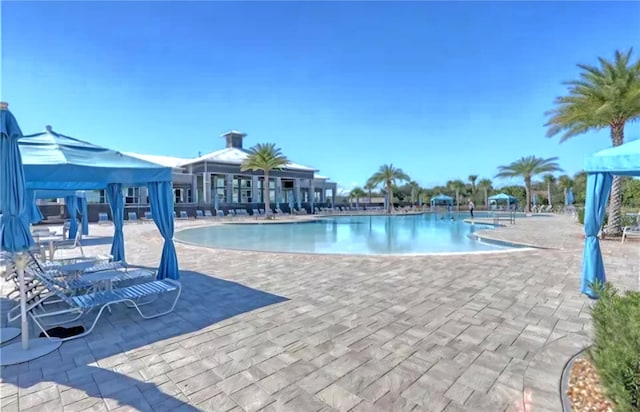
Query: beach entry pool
{"x":366,"y":235}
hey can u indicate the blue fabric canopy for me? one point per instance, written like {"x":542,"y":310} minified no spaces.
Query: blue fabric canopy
{"x":570,"y":198}
{"x":84,"y":214}
{"x":55,"y":161}
{"x":14,"y":228}
{"x":439,"y":199}
{"x":161,"y":199}
{"x":82,"y":206}
{"x":34,"y":214}
{"x":116,"y":202}
{"x":503,"y":196}
{"x":72,"y":208}
{"x":623,"y":160}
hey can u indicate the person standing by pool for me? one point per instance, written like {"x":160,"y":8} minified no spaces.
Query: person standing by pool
{"x":471,"y":207}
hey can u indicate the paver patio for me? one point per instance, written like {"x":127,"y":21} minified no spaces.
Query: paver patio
{"x":278,"y":332}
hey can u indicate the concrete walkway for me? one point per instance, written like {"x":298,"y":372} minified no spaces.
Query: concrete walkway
{"x":277,"y":332}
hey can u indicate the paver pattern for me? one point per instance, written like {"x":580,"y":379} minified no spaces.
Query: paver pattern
{"x":285,"y":332}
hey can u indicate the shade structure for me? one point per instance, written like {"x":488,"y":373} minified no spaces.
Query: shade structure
{"x":216,"y":201}
{"x":15,"y":236}
{"x":161,"y":197}
{"x":34,"y":214}
{"x":441,"y":200}
{"x":503,"y":197}
{"x":570,"y":199}
{"x":623,"y":160}
{"x":81,"y":200}
{"x":54,"y":161}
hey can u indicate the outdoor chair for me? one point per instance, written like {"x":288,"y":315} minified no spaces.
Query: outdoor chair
{"x":103,"y":219}
{"x":148,"y":216}
{"x":183,"y":215}
{"x":132,"y":217}
{"x":71,"y":244}
{"x":219,"y":213}
{"x":82,"y":304}
{"x":199,"y":214}
{"x":207,"y":214}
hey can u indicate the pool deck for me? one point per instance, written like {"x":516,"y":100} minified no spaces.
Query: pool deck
{"x":472,"y":332}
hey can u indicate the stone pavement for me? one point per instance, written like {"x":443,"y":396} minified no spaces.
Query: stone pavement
{"x":285,"y":332}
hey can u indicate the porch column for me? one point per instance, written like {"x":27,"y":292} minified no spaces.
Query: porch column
{"x":255,"y":192}
{"x":206,"y":190}
{"x":296,"y":190}
{"x":333,"y":195}
{"x":143,"y":194}
{"x":228,"y":179}
{"x":278,"y":198}
{"x":312,"y":191}
{"x":194,"y":188}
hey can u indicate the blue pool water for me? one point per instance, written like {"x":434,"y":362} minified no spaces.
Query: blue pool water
{"x":400,"y":234}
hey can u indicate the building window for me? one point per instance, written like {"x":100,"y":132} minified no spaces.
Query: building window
{"x":177,"y":195}
{"x":96,"y":196}
{"x":132,"y":195}
{"x":241,"y":189}
{"x":189,"y":195}
{"x":200,"y":188}
{"x":219,"y":186}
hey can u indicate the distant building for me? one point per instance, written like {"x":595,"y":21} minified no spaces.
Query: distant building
{"x":197,"y":181}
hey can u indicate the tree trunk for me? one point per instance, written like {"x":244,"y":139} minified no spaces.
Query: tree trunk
{"x":549,"y":193}
{"x":389,"y":199}
{"x":565,"y":194}
{"x":267,"y":193}
{"x":614,"y":221}
{"x":527,"y":189}
{"x":486,"y":199}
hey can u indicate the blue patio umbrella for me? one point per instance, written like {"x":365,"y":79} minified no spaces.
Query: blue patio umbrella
{"x":291,"y":204}
{"x":420,"y":201}
{"x":216,"y":201}
{"x":72,"y":208}
{"x":534,"y":200}
{"x":299,"y":201}
{"x":15,"y":237}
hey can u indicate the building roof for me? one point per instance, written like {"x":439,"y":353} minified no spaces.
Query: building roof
{"x":235,"y":156}
{"x":167,"y":161}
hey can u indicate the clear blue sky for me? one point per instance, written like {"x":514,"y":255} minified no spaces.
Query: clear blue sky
{"x":443,"y":90}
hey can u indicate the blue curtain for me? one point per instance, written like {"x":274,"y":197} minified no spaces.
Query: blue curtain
{"x":161,"y":200}
{"x":34,"y":215}
{"x":72,"y":208}
{"x":14,"y":229}
{"x":84,"y":213}
{"x":598,"y":190}
{"x":116,"y":203}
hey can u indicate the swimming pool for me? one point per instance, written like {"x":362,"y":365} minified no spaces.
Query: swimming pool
{"x":367,"y":235}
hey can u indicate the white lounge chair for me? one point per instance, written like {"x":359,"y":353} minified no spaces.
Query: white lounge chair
{"x":199,"y":214}
{"x":631,"y":231}
{"x":103,"y":219}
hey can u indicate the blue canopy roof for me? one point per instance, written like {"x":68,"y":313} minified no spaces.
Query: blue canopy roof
{"x":442,"y":197}
{"x":55,"y":161}
{"x":623,"y":160}
{"x":504,"y":196}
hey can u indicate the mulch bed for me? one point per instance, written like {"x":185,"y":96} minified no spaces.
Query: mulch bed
{"x":585,"y":391}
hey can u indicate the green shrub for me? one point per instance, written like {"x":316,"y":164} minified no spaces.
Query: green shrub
{"x":581,"y":216}
{"x":616,"y":349}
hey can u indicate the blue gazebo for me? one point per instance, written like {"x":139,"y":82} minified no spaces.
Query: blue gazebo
{"x":53,"y":161}
{"x":441,"y":200}
{"x":503,"y":197}
{"x":623,"y":160}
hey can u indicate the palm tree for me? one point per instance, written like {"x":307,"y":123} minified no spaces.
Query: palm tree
{"x":472,"y":181}
{"x":486,"y":185}
{"x":457,"y":186}
{"x":527,"y":168}
{"x":549,"y":180}
{"x":388,"y":175}
{"x":369,"y":186}
{"x":415,"y":188}
{"x":356,"y":193}
{"x":264,"y":157}
{"x":565,"y":182}
{"x":604,"y":97}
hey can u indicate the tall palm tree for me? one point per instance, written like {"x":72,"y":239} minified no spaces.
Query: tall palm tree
{"x":264,"y":157}
{"x":564,"y":183}
{"x":527,"y":168}
{"x":607,"y":96}
{"x":472,"y":181}
{"x":486,"y":185}
{"x":369,"y":186}
{"x":549,"y":180}
{"x":388,"y":175}
{"x":356,"y":193}
{"x":457,"y":186}
{"x":415,"y":188}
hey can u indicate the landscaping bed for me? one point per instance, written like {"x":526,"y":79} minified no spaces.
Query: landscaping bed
{"x":606,"y":377}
